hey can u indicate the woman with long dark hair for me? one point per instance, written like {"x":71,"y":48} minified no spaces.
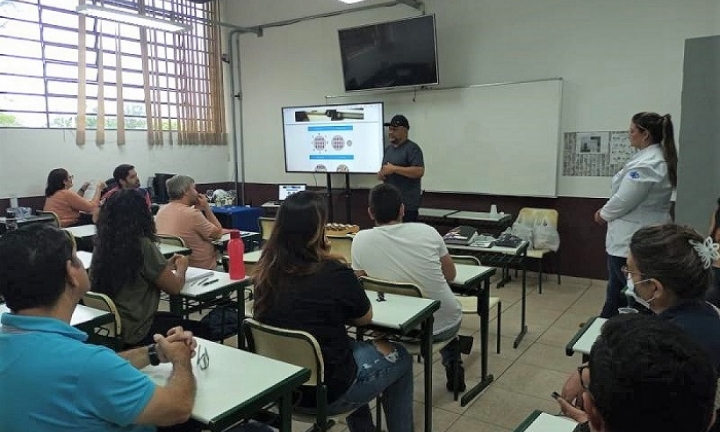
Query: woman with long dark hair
{"x":129,"y":268}
{"x":72,"y":208}
{"x":299,"y":285}
{"x":640,"y":196}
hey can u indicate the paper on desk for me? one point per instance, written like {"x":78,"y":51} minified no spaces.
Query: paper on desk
{"x":550,"y":423}
{"x":194,"y":273}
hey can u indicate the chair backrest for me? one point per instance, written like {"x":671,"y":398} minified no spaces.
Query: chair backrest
{"x":103,"y":302}
{"x":290,"y":346}
{"x":171,"y":240}
{"x":533,"y":214}
{"x":390,"y":287}
{"x":56,"y":219}
{"x":341,"y":245}
{"x":465,"y":259}
{"x":266,"y":226}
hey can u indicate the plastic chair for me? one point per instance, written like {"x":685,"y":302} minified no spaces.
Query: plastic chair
{"x":298,"y":348}
{"x":469,"y":303}
{"x":171,"y":240}
{"x":530,"y":213}
{"x":412,"y":290}
{"x":56,"y":219}
{"x":111,"y":331}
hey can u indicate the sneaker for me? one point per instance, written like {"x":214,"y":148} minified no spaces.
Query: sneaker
{"x":461,"y":378}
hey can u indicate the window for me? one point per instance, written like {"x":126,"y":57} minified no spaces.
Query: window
{"x":134,"y":78}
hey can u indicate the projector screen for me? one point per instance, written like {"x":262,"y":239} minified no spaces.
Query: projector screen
{"x":334,"y":138}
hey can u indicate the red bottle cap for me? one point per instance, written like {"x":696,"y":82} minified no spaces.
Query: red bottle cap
{"x":234,"y":234}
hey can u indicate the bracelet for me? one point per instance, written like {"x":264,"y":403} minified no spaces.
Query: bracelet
{"x":153,"y":355}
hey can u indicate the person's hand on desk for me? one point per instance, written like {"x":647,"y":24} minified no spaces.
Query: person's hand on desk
{"x":173,"y":350}
{"x":176,"y":335}
{"x":598,"y":219}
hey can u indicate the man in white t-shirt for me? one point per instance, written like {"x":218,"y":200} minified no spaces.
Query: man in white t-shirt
{"x":411,"y":252}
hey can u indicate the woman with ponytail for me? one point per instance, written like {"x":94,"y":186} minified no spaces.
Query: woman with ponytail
{"x":640,"y":196}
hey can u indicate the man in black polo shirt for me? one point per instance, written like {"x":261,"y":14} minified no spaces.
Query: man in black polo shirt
{"x":403,"y":166}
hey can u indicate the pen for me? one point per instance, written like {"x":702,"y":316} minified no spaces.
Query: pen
{"x":210,"y":282}
{"x":201,"y":280}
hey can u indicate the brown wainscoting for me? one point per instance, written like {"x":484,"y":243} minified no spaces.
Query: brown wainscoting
{"x":582,"y":246}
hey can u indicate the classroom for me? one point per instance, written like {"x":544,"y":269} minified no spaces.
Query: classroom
{"x":570,"y":74}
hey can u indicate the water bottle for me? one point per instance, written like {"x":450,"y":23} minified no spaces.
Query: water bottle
{"x":10,"y":220}
{"x":236,"y":249}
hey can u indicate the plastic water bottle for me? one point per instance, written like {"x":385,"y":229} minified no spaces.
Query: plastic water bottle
{"x":236,"y":249}
{"x":10,"y":220}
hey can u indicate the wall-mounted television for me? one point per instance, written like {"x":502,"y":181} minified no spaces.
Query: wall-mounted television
{"x":391,"y":54}
{"x":334,"y":138}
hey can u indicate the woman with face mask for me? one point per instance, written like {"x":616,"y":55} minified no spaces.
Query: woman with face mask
{"x":668,"y":271}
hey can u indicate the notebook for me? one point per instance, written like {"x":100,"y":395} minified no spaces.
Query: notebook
{"x":285,"y":190}
{"x":462,"y":235}
{"x":194,"y":273}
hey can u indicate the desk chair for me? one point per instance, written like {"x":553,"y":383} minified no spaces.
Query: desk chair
{"x":413,"y":346}
{"x":469,"y":303}
{"x":341,"y":245}
{"x":534,"y":214}
{"x":56,"y":219}
{"x":112,"y":332}
{"x":171,"y":240}
{"x":266,"y":225}
{"x":298,"y":348}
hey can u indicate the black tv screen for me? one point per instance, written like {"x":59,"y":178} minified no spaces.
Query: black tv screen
{"x":391,"y":54}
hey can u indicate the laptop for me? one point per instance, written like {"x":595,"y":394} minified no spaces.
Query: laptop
{"x":285,"y":190}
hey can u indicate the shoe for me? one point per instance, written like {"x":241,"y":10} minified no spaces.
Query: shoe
{"x":449,"y":372}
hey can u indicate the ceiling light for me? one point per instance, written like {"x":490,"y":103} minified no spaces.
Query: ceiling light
{"x":351,"y":1}
{"x":130,"y":18}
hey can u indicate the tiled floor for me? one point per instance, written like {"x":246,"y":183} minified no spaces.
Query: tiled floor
{"x":524,"y":377}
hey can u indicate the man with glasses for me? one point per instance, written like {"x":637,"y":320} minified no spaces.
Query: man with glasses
{"x":50,"y":379}
{"x":645,"y":374}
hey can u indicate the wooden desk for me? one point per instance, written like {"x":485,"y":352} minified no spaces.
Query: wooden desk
{"x":539,"y":421}
{"x":237,"y":384}
{"x":169,"y":250}
{"x":477,"y":279}
{"x":82,"y":231}
{"x":583,"y":341}
{"x":83,"y":318}
{"x":402,"y":314}
{"x":207,"y":295}
{"x":500,"y":256}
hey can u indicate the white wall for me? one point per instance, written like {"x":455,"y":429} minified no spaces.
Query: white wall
{"x":27,"y":155}
{"x":617,"y":57}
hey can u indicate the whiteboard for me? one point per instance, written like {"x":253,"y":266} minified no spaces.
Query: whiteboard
{"x":499,"y":139}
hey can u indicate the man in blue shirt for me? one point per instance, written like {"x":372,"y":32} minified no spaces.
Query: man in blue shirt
{"x":50,"y":379}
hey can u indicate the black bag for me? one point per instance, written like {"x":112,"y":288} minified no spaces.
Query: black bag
{"x":222,"y":321}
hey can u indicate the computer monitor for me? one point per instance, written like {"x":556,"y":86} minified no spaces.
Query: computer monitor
{"x":285,"y":190}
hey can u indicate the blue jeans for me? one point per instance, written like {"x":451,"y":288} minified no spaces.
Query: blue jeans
{"x":614,"y":297}
{"x":377,"y":373}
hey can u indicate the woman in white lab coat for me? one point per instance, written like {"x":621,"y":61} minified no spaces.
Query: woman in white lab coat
{"x":640,"y":197}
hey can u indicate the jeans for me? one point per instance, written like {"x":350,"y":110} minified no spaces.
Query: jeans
{"x":614,"y":298}
{"x":449,"y":353}
{"x":377,"y":373}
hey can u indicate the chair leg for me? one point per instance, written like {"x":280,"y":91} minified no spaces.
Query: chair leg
{"x":378,"y":413}
{"x":456,"y":370}
{"x":540,"y":272}
{"x":499,"y":316}
{"x":557,"y":266}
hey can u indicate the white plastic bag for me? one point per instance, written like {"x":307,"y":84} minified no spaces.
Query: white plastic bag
{"x":524,"y":229}
{"x":545,"y":235}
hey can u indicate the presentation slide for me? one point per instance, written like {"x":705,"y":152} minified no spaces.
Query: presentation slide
{"x":334,"y":138}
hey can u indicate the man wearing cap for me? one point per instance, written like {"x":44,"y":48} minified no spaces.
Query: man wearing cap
{"x":403,"y":166}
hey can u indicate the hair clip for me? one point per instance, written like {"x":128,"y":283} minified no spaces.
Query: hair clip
{"x":707,"y":251}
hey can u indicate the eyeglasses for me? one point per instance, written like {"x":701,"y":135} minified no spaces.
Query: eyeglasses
{"x":580,"y":372}
{"x":203,"y":360}
{"x":626,"y":271}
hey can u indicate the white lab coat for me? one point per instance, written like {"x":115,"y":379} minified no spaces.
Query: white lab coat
{"x":640,"y":197}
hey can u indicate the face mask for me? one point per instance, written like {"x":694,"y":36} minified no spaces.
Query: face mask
{"x":630,"y":291}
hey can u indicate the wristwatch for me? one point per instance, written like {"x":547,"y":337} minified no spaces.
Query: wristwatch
{"x":153,"y":355}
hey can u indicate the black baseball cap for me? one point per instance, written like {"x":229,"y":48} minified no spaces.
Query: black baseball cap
{"x":398,"y":120}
